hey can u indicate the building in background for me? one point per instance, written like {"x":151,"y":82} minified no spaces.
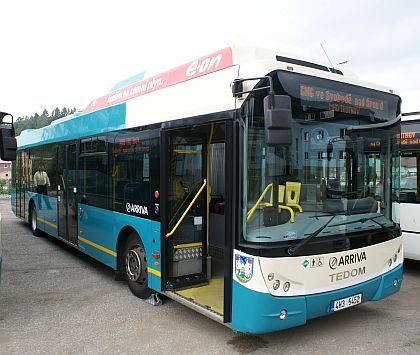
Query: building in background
{"x":5,"y":170}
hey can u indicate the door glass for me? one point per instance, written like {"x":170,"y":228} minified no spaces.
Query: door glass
{"x":67,"y":180}
{"x":71,"y":183}
{"x":186,"y":203}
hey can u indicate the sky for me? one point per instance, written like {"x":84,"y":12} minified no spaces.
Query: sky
{"x":66,"y":53}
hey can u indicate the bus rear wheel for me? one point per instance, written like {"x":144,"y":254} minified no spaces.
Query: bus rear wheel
{"x":136,"y":267}
{"x":33,"y":221}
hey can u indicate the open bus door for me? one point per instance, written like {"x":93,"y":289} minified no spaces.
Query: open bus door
{"x":197,"y":251}
{"x":186,"y":212}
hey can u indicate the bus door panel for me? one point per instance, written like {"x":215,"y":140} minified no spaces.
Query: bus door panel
{"x":67,"y":202}
{"x":21,"y":183}
{"x":18,"y":180}
{"x":186,"y":208}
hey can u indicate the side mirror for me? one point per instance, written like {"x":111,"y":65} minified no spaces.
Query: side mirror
{"x":278,"y":120}
{"x":8,"y":144}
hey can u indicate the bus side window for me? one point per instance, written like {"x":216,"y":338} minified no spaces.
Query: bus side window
{"x":409,"y":178}
{"x":130,"y":171}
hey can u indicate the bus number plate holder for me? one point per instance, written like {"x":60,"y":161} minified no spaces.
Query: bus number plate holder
{"x":347,"y":302}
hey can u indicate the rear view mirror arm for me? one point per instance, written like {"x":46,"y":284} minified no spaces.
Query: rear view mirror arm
{"x":237,"y":86}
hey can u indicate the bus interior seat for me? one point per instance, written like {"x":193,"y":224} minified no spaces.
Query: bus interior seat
{"x":293,"y":195}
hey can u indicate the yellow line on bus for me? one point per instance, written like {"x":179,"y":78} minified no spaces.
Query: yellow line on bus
{"x":46,"y":222}
{"x":97,"y":246}
{"x":181,"y":246}
{"x":153,"y":271}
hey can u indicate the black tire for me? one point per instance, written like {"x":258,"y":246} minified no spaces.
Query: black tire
{"x":33,"y":221}
{"x":135,"y":266}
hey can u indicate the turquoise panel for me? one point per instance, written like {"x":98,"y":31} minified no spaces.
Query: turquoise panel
{"x":131,"y":80}
{"x":46,"y":208}
{"x":102,"y":227}
{"x":255,"y":312}
{"x":75,"y":126}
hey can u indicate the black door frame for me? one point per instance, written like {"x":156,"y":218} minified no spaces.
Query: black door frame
{"x":73,"y":239}
{"x":232,"y":173}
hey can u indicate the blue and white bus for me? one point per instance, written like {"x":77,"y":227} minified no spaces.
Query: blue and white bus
{"x":409,"y":196}
{"x":251,"y":186}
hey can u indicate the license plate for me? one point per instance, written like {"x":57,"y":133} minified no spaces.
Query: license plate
{"x":347,"y":302}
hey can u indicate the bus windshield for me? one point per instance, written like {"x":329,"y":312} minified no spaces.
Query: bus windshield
{"x":329,"y":170}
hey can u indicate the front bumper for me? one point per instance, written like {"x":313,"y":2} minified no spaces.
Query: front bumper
{"x":256,"y":312}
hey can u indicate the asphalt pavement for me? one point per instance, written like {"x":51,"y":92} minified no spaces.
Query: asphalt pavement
{"x":56,"y":300}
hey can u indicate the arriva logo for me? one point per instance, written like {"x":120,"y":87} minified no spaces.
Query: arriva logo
{"x":131,"y":208}
{"x":347,"y":260}
{"x":206,"y":64}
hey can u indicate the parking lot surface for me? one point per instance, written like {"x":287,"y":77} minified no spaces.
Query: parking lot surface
{"x":56,"y":300}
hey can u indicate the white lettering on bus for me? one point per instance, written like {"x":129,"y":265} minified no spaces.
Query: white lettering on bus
{"x":136,"y":209}
{"x":206,"y":65}
{"x":114,"y":97}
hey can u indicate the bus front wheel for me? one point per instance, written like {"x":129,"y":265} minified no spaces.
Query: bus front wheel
{"x":33,"y":221}
{"x":136,"y":266}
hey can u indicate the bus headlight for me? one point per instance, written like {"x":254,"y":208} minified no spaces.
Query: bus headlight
{"x":276,"y":285}
{"x":286,"y":286}
{"x":270,"y":276}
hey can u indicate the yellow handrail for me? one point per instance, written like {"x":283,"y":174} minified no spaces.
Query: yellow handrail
{"x":188,"y":208}
{"x":252,"y":210}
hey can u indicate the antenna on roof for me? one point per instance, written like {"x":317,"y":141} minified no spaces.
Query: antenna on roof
{"x":327,"y":55}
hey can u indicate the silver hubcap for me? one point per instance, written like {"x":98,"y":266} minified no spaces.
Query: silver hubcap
{"x":33,"y":219}
{"x":135,"y":265}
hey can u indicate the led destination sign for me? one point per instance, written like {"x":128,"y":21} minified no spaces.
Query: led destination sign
{"x":410,"y":139}
{"x":315,"y":98}
{"x":341,"y":101}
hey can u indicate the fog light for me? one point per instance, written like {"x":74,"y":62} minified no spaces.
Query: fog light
{"x":283,"y":314}
{"x":395,"y":258}
{"x":395,"y":282}
{"x":286,"y":286}
{"x":276,"y":284}
{"x":270,"y":276}
{"x":389,"y":262}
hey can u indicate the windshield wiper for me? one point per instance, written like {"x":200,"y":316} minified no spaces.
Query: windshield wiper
{"x":365,"y":219}
{"x":292,"y":250}
{"x":343,"y":213}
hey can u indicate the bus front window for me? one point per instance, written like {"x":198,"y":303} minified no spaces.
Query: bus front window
{"x":326,"y":172}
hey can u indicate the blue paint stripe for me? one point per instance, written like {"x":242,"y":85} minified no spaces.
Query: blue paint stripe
{"x":77,"y":126}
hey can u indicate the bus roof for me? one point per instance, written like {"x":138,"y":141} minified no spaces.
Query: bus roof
{"x":180,"y":92}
